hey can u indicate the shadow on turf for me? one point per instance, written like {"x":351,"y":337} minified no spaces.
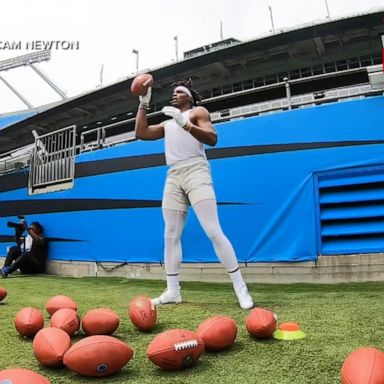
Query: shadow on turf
{"x":237,"y":347}
{"x":124,"y":375}
{"x":161,"y":327}
{"x":206,"y":361}
{"x":25,"y":339}
{"x":271,"y":340}
{"x":20,"y":275}
{"x":203,"y":364}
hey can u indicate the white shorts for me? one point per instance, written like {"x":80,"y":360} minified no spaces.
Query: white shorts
{"x":187,"y":184}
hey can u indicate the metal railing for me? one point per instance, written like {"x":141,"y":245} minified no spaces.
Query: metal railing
{"x":52,"y":161}
{"x":14,"y":163}
{"x":101,"y":140}
{"x":302,"y":101}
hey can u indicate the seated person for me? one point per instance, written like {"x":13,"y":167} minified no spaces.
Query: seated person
{"x":30,"y":254}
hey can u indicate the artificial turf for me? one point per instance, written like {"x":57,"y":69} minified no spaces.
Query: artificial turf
{"x":336,"y":318}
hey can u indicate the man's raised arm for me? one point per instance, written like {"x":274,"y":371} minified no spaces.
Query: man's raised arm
{"x":142,"y":130}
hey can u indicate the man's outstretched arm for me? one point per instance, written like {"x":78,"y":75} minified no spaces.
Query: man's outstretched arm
{"x":142,"y":130}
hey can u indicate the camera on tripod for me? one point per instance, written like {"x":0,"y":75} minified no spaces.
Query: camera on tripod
{"x":20,"y":226}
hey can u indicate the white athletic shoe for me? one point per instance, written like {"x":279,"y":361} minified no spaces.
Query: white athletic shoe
{"x":167,"y":298}
{"x":244,"y":298}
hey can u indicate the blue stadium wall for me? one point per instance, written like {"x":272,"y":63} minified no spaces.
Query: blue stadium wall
{"x":290,"y":186}
{"x":8,"y":120}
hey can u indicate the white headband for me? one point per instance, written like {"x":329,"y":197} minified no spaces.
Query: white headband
{"x":181,"y":88}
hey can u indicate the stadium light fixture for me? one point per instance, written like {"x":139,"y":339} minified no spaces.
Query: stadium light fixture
{"x":271,"y":14}
{"x":221,"y":30}
{"x":136,"y":52}
{"x":30,"y":58}
{"x":176,"y":47}
{"x":328,"y":14}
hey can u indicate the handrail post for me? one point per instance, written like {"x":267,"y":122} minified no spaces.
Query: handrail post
{"x":288,"y":92}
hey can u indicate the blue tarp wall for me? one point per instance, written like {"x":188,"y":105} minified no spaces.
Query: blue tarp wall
{"x":266,"y":181}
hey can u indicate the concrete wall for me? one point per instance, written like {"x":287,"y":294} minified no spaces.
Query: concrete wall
{"x":327,"y":270}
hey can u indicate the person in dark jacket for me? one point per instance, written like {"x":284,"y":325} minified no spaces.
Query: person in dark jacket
{"x":30,"y":254}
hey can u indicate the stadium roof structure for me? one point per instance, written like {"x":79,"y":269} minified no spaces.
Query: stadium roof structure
{"x":316,"y":43}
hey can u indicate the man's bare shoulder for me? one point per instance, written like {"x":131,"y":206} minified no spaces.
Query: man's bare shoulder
{"x":200,"y":111}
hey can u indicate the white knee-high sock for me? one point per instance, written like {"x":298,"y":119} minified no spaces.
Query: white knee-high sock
{"x":174,"y":224}
{"x":237,"y":278}
{"x":206,"y":212}
{"x":173,"y":284}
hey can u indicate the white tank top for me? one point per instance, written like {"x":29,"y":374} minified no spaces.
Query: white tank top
{"x":179,"y":144}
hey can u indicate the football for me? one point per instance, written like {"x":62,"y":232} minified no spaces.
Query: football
{"x":98,"y":356}
{"x":49,"y":346}
{"x":261,"y":323}
{"x":142,"y":313}
{"x":66,"y":319}
{"x":363,"y":366}
{"x":21,"y":376}
{"x":218,"y":332}
{"x":28,"y":321}
{"x":100,"y":321}
{"x":141,"y":83}
{"x":3,"y":293}
{"x":58,"y":302}
{"x":175,"y":349}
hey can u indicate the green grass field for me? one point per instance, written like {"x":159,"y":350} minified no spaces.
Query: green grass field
{"x":336,"y":318}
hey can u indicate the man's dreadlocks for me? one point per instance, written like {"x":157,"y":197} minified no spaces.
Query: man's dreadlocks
{"x":196,"y":97}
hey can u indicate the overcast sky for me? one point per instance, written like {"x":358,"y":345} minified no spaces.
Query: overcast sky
{"x":107,"y":31}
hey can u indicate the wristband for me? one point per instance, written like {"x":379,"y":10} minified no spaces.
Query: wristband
{"x":143,"y":105}
{"x":188,"y":127}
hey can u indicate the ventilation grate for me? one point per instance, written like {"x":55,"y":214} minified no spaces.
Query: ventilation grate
{"x":351,"y":211}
